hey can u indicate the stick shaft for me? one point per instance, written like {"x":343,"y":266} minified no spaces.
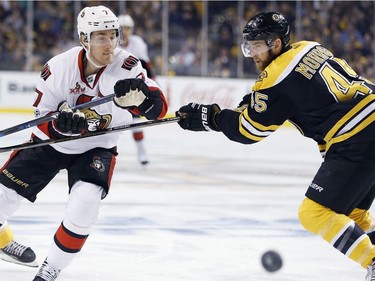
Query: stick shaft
{"x":52,"y":116}
{"x":150,"y":123}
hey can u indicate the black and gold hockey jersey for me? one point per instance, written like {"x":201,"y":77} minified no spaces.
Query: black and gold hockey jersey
{"x":321,"y":95}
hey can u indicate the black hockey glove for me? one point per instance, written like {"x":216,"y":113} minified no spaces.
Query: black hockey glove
{"x":246,"y":100}
{"x":198,"y":117}
{"x":69,"y":121}
{"x":134,"y":92}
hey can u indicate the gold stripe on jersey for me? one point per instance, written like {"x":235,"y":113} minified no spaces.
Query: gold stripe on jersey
{"x":357,"y":119}
{"x":254,"y":130}
{"x":280,"y":67}
{"x":322,"y":149}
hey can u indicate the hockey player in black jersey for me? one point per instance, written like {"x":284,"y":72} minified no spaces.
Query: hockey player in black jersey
{"x":328,"y":102}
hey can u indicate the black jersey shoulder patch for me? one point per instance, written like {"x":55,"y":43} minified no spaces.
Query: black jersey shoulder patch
{"x":130,"y":62}
{"x":45,"y":72}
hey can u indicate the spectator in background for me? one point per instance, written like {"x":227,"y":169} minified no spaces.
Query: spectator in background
{"x":149,"y":28}
{"x":137,"y":46}
{"x":183,"y":59}
{"x":12,"y":35}
{"x":334,"y":18}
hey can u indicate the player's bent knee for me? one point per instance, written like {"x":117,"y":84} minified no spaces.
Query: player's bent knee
{"x":312,"y":215}
{"x":363,"y":218}
{"x":83,"y":206}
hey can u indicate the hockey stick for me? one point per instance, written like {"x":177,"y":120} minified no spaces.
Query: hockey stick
{"x":53,"y":115}
{"x":90,"y":134}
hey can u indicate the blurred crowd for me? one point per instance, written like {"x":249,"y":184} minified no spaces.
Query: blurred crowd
{"x":200,"y":38}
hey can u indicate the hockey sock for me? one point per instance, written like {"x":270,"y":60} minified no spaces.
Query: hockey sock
{"x":65,"y":247}
{"x":81,"y":214}
{"x":371,"y":235}
{"x":69,"y":241}
{"x":138,"y":135}
{"x":365,"y":220}
{"x":6,"y":235}
{"x":338,"y":230}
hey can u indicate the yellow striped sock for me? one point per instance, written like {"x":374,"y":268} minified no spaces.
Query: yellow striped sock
{"x":6,"y":235}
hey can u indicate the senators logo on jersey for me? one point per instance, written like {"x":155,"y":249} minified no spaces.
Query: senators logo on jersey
{"x":95,"y":121}
{"x":97,"y":164}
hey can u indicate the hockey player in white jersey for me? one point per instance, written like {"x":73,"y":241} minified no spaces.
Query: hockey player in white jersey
{"x":95,"y":69}
{"x":138,"y":47}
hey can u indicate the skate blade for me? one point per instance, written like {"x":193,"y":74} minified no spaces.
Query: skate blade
{"x":7,"y":258}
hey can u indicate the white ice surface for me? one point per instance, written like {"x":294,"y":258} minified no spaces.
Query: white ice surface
{"x":204,"y":209}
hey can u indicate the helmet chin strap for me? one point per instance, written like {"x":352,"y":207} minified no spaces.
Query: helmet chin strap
{"x":88,"y":57}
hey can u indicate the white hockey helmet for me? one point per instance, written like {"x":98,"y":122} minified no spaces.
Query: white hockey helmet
{"x":126,"y":20}
{"x":96,"y":18}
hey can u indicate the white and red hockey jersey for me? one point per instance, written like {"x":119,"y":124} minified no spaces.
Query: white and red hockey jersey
{"x":63,"y":79}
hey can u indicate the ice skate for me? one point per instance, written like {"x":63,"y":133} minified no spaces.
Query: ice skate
{"x":371,"y":272}
{"x":17,"y":253}
{"x":46,"y":273}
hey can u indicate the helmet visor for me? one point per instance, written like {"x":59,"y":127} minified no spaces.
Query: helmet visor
{"x":102,"y":39}
{"x":253,"y":48}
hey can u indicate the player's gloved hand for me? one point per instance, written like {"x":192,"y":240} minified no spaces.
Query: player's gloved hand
{"x":134,"y":92}
{"x":130,"y":92}
{"x":198,"y":117}
{"x":70,"y":121}
{"x":246,"y":100}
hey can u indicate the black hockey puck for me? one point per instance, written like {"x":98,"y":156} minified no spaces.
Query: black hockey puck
{"x":272,"y":261}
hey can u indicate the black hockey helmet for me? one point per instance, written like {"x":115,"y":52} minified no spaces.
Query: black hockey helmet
{"x":267,"y":26}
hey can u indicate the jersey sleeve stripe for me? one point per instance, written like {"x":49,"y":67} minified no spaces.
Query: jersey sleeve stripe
{"x":365,"y":122}
{"x":259,"y":126}
{"x":362,"y":115}
{"x":253,"y":130}
{"x":369,"y":100}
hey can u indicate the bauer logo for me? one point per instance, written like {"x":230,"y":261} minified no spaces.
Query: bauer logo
{"x":204,"y":118}
{"x":316,"y":187}
{"x":15,"y":179}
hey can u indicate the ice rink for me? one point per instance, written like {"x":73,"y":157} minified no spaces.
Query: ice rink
{"x":204,"y":209}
